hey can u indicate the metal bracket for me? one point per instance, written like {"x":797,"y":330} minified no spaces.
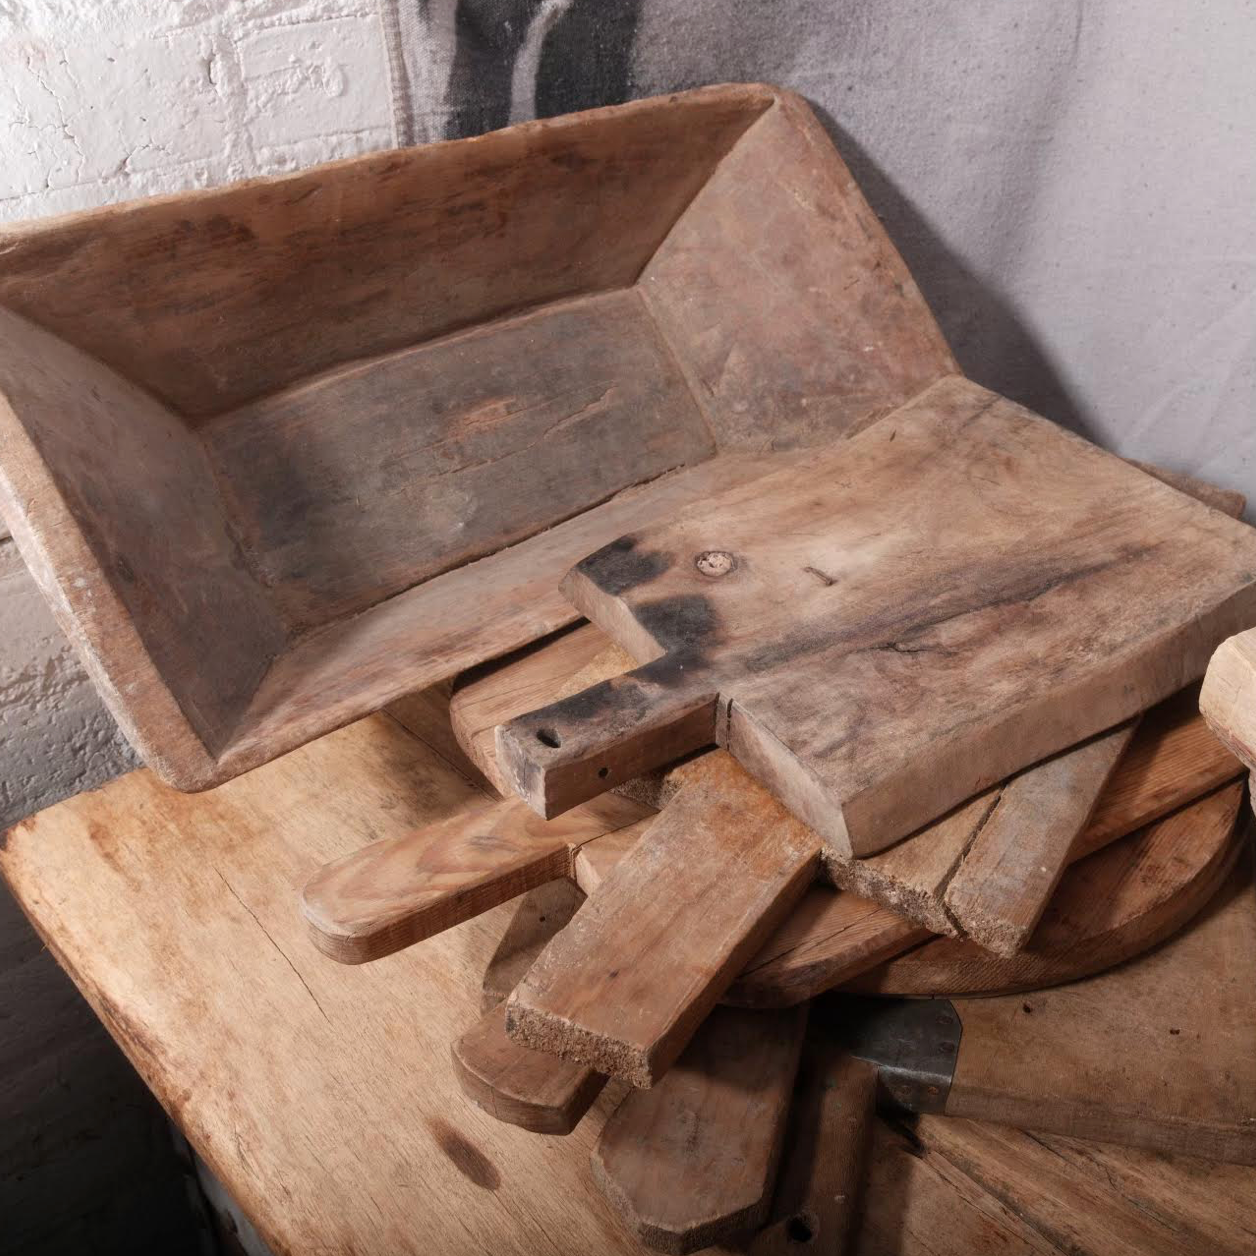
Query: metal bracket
{"x":913,"y":1042}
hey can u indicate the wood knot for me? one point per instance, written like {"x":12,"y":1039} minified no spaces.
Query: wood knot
{"x":715,"y":563}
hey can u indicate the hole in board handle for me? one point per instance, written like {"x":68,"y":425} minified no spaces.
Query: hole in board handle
{"x":548,"y":737}
{"x":800,"y":1228}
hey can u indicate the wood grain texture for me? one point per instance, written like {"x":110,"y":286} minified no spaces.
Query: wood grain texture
{"x":1172,"y":760}
{"x":379,"y":407}
{"x":1003,"y":884}
{"x":458,"y":448}
{"x":210,"y":299}
{"x":530,"y":1089}
{"x":1112,"y":905}
{"x":858,"y":337}
{"x":820,"y":1187}
{"x":976,"y":660}
{"x":173,"y":914}
{"x":1228,"y":697}
{"x":435,"y":629}
{"x":626,"y":984}
{"x":396,"y":892}
{"x":492,"y":693}
{"x":498,"y":691}
{"x":831,"y":936}
{"x":539,"y":915}
{"x":111,"y":539}
{"x":1032,"y":1192}
{"x":1154,"y":1054}
{"x":694,"y":1160}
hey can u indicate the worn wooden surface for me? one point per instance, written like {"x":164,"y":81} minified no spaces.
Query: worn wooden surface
{"x":1174,"y":758}
{"x":1113,"y":904}
{"x":538,"y":915}
{"x":891,"y":574}
{"x":393,"y":893}
{"x":1003,"y":883}
{"x":174,"y":916}
{"x":820,"y":1186}
{"x":377,"y":408}
{"x":530,"y":1089}
{"x":626,"y":984}
{"x":832,"y":937}
{"x":694,"y":1159}
{"x":1156,"y":1053}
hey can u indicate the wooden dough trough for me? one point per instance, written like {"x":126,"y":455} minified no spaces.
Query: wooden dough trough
{"x":282,"y":452}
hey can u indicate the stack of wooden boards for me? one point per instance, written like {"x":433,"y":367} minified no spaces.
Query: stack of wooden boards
{"x":1060,"y":870}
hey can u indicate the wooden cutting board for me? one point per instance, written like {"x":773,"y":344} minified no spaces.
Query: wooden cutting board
{"x":960,"y":590}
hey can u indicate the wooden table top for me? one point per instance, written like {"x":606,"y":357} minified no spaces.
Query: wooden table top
{"x":323,"y":1096}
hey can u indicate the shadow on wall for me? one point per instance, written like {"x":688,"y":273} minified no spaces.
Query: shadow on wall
{"x":989,"y":341}
{"x":522,"y":58}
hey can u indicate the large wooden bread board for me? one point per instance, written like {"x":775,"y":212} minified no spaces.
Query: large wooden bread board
{"x":959,"y":591}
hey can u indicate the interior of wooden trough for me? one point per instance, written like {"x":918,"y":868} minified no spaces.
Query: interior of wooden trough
{"x":283,"y":452}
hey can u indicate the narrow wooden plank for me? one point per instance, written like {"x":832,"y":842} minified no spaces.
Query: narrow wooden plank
{"x":1112,"y":905}
{"x":1003,"y":884}
{"x":531,"y":1089}
{"x":912,"y":875}
{"x":396,"y":892}
{"x":1170,"y":760}
{"x":642,"y":721}
{"x":694,"y":1160}
{"x":626,"y":984}
{"x":1177,"y":758}
{"x":829,"y":938}
{"x":541,"y":913}
{"x":820,"y":1187}
{"x":495,"y":692}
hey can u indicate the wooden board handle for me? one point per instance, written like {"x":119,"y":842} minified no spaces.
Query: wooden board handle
{"x":530,"y":1089}
{"x":394,"y":893}
{"x":821,"y":1181}
{"x":572,"y":750}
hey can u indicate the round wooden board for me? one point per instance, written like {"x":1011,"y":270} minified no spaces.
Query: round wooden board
{"x":1108,"y":908}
